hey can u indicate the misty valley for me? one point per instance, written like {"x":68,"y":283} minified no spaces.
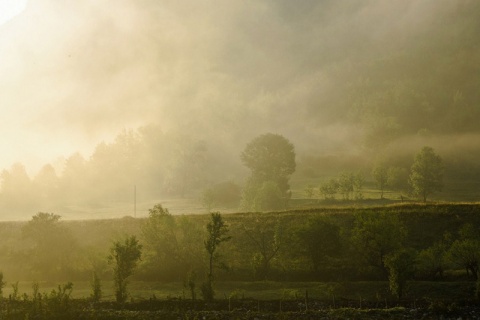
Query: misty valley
{"x":351,"y":246}
{"x":240,"y":159}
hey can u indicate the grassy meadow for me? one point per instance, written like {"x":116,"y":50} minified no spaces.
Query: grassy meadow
{"x":342,"y":281}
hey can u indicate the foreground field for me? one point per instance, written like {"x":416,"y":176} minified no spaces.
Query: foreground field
{"x":321,"y":265}
{"x":247,"y":300}
{"x":329,"y":292}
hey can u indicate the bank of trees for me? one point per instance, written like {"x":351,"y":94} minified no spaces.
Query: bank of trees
{"x":180,"y":166}
{"x":395,"y":245}
{"x":423,"y":179}
{"x":158,"y":163}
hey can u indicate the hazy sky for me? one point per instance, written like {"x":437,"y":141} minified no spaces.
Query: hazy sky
{"x":10,"y":8}
{"x":74,"y":73}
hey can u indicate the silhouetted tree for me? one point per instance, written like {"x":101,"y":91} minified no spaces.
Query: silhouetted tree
{"x":187,"y":165}
{"x":124,"y":256}
{"x":173,"y":244}
{"x":96,"y":286}
{"x":426,"y":175}
{"x":401,"y":267}
{"x":46,"y":184}
{"x":432,"y":261}
{"x":267,"y":238}
{"x":465,"y":251}
{"x":271,"y":158}
{"x":376,"y":235}
{"x":51,"y":246}
{"x":160,"y":234}
{"x":329,"y":188}
{"x":309,"y":191}
{"x":380,"y":174}
{"x":17,"y":188}
{"x":321,"y":240}
{"x":217,"y":233}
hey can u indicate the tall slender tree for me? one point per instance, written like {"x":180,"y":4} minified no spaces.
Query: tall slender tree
{"x":217,"y":233}
{"x":124,"y":256}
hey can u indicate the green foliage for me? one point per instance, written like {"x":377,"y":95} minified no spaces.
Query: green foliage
{"x":426,"y":175}
{"x":345,"y":184}
{"x":309,"y":191}
{"x":207,"y":290}
{"x":269,"y":197}
{"x":96,"y":286}
{"x":271,"y":158}
{"x":433,"y":261}
{"x":173,"y":244}
{"x":321,"y":240}
{"x":190,"y":283}
{"x":401,"y":267}
{"x":267,"y":239}
{"x":217,"y":233}
{"x":225,"y":194}
{"x":160,"y":234}
{"x":124,"y":256}
{"x":329,"y":188}
{"x":465,"y":251}
{"x":376,"y":235}
{"x":311,"y":244}
{"x":358,"y":182}
{"x":398,"y":179}
{"x":380,"y":174}
{"x":350,"y":185}
{"x":59,"y":300}
{"x":52,"y":246}
{"x":265,"y":196}
{"x":15,"y":295}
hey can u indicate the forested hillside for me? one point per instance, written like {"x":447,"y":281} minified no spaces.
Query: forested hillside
{"x":347,"y":83}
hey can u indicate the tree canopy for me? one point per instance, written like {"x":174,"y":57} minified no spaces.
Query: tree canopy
{"x":125,"y":256}
{"x":426,"y":175}
{"x":271,"y":159}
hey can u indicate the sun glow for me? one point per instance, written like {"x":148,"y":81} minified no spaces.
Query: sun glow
{"x":11,"y":8}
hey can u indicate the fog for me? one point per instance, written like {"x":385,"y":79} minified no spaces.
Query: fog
{"x":337,"y":78}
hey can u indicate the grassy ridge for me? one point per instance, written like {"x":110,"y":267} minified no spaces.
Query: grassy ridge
{"x":237,"y":298}
{"x":426,"y":224}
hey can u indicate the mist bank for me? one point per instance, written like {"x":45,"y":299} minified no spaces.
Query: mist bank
{"x":176,"y":89}
{"x":177,"y":169}
{"x":329,"y":75}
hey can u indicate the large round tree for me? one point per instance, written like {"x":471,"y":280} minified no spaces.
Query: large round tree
{"x":271,"y":159}
{"x":426,"y":176}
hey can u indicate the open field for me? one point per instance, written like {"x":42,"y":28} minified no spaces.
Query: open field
{"x":250,"y":300}
{"x":328,"y":292}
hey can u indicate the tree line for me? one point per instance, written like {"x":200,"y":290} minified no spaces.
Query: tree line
{"x":158,"y":163}
{"x":338,"y":245}
{"x":178,"y":166}
{"x":424,"y":179}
